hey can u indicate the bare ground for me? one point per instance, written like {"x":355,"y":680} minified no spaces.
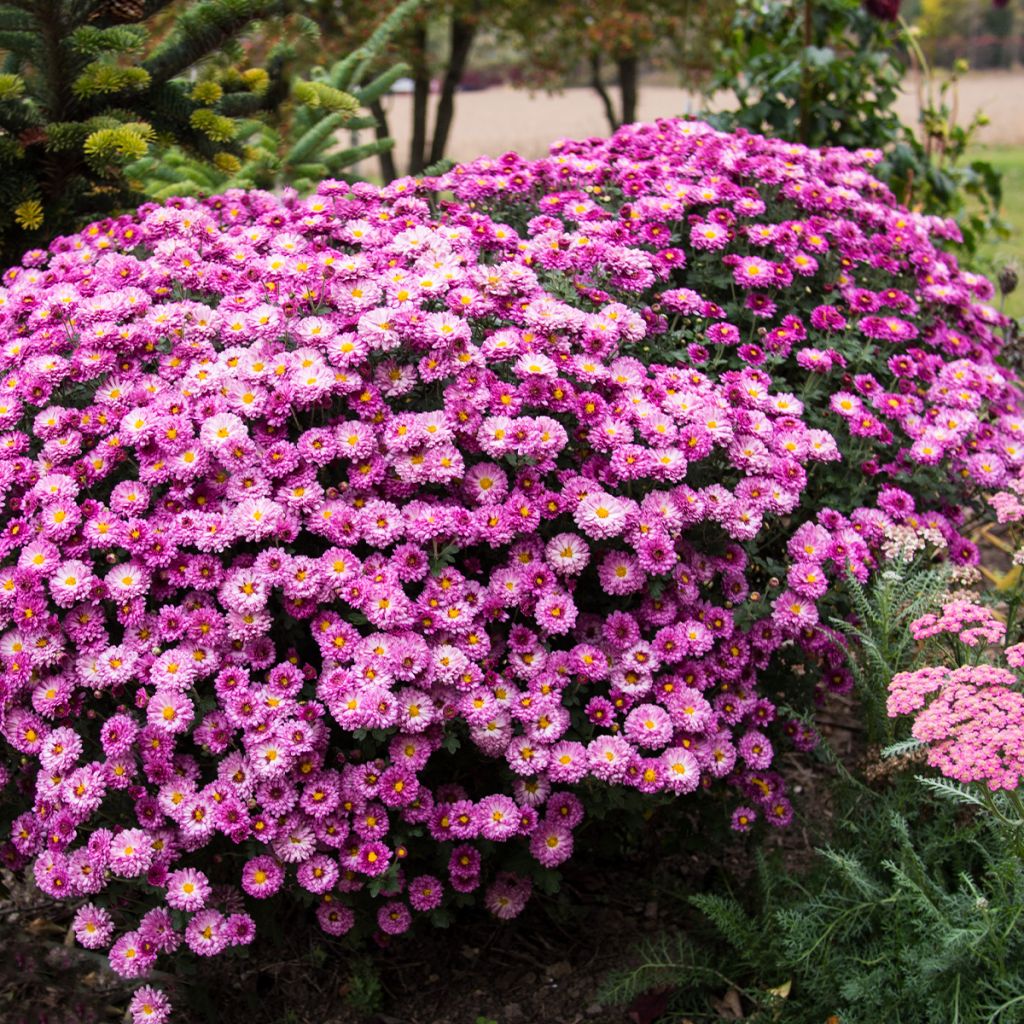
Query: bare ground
{"x":494,"y":121}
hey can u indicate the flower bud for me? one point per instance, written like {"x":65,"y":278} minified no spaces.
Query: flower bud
{"x":884,"y":10}
{"x":1008,"y":280}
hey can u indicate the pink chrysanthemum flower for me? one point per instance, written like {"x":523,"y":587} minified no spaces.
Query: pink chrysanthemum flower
{"x":131,"y":853}
{"x":93,"y":926}
{"x":682,"y":771}
{"x":262,"y":877}
{"x":129,"y":958}
{"x":600,"y":516}
{"x":334,"y":918}
{"x":649,"y":726}
{"x":149,"y":1005}
{"x":187,"y":889}
{"x":206,"y":934}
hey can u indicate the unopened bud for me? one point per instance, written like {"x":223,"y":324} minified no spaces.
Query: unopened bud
{"x":1008,"y":280}
{"x":886,"y":10}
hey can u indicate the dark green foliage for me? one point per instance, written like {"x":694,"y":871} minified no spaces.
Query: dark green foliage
{"x":821,"y":72}
{"x":881,"y":636}
{"x":910,"y":925}
{"x":83,"y":94}
{"x":827,"y":73}
{"x":912,"y":910}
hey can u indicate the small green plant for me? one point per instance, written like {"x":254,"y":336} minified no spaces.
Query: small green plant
{"x":931,"y":168}
{"x":820,"y":72}
{"x":363,"y":991}
{"x":880,"y":635}
{"x":828,"y":73}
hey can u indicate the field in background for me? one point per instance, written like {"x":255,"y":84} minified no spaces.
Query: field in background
{"x":999,"y":252}
{"x":493,"y":121}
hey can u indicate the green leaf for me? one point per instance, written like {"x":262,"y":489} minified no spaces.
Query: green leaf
{"x":819,"y":56}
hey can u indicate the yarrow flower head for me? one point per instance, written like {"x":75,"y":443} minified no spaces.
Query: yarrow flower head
{"x":968,"y":710}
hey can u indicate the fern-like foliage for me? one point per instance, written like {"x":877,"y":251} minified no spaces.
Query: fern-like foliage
{"x":880,"y":643}
{"x":913,"y":911}
{"x":671,"y":960}
{"x":929,"y":934}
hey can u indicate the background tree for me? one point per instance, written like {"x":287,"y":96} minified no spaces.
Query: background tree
{"x":984,"y":33}
{"x":436,"y":43}
{"x":822,"y":72}
{"x":828,"y":73}
{"x":620,"y":36}
{"x":84,"y":91}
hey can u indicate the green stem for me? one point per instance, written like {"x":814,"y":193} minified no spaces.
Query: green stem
{"x":926,"y":75}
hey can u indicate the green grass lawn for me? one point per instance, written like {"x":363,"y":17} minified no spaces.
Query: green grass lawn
{"x":998,"y":252}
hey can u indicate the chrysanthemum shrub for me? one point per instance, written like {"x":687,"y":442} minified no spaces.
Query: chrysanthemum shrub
{"x":353,"y":545}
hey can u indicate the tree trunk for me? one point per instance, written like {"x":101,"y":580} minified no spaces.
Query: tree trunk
{"x":420,"y":100}
{"x":628,"y":67}
{"x":387,"y":157}
{"x":462,"y":36}
{"x":58,"y":167}
{"x":597,"y":84}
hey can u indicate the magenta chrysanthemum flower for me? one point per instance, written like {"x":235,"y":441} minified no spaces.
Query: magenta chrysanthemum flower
{"x":262,"y":877}
{"x":207,"y":934}
{"x":743,"y":819}
{"x":507,"y":896}
{"x":425,"y":893}
{"x":93,"y":926}
{"x":149,"y":1005}
{"x":682,"y":771}
{"x":551,"y":844}
{"x":394,"y":918}
{"x":334,"y":918}
{"x":600,"y":516}
{"x":131,"y":853}
{"x":129,"y":957}
{"x":649,"y":726}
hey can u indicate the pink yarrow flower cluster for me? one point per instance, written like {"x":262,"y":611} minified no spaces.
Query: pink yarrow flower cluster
{"x":972,"y":624}
{"x":351,"y":536}
{"x":971,"y":718}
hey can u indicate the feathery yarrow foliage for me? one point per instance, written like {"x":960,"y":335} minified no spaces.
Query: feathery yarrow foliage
{"x":910,"y":911}
{"x":351,"y":544}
